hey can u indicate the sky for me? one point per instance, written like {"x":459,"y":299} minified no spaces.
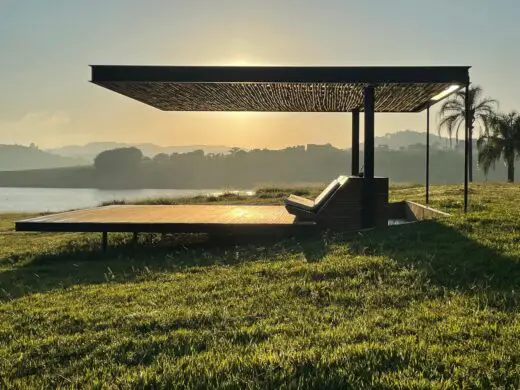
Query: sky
{"x":46,"y":48}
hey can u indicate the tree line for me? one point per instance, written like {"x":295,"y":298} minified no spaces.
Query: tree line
{"x":499,"y":132}
{"x":498,"y":141}
{"x":128,"y":167}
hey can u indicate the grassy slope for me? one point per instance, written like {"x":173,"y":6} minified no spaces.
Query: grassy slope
{"x":433,"y":304}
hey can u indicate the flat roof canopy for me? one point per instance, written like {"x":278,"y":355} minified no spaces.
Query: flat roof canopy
{"x":281,"y":89}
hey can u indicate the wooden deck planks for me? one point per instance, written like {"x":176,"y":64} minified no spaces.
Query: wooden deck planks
{"x":175,"y":214}
{"x":174,"y":218}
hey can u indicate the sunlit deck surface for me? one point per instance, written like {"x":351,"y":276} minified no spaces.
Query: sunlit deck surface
{"x":169,"y":219}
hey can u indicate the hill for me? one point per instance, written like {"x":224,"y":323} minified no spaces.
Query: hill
{"x":428,"y":305}
{"x":17,"y":157}
{"x":407,"y":138}
{"x":91,"y":150}
{"x":241,"y":169}
{"x":394,"y":141}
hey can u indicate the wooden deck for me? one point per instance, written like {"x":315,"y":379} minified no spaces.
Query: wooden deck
{"x":169,"y":219}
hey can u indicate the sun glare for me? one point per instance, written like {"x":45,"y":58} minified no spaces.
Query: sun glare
{"x":446,"y":92}
{"x":240,"y":62}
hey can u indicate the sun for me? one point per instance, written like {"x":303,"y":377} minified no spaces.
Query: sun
{"x":240,"y":61}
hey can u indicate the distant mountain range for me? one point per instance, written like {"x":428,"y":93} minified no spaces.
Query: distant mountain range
{"x":17,"y":157}
{"x":91,"y":150}
{"x":401,"y":139}
{"x":406,"y":138}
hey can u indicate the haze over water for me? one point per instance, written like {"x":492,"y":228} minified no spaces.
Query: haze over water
{"x":16,"y":200}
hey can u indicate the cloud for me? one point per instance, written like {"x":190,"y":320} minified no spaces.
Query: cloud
{"x":34,"y":126}
{"x":41,"y":118}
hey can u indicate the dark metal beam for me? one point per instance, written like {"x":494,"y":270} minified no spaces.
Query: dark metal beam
{"x":355,"y":143}
{"x":283,"y":74}
{"x":161,"y":227}
{"x":428,"y":156}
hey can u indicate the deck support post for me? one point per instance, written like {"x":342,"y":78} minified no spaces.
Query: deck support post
{"x":104,"y":241}
{"x":355,"y":143}
{"x":368,"y":208}
{"x":135,"y":238}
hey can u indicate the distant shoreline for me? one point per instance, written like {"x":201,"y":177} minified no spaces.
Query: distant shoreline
{"x":38,"y":200}
{"x":223,"y":188}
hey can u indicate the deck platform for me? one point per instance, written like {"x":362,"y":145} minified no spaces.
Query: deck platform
{"x":210,"y":219}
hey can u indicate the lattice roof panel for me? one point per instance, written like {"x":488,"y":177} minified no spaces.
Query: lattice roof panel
{"x":279,"y":89}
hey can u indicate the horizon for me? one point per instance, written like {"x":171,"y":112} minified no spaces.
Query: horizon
{"x":47,"y":99}
{"x":138,"y":144}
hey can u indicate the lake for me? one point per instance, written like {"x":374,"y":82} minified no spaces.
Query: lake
{"x":17,"y":200}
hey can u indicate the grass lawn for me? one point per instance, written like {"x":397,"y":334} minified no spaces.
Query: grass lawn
{"x":432,"y":304}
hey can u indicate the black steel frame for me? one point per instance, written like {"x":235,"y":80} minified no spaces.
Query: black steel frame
{"x":355,"y":143}
{"x":428,"y":156}
{"x":467,"y":145}
{"x":370,"y":77}
{"x":283,"y":74}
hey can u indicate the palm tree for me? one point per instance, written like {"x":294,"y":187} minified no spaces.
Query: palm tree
{"x":452,"y":116}
{"x":501,"y":141}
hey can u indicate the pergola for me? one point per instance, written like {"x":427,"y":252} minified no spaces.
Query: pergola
{"x":366,"y":90}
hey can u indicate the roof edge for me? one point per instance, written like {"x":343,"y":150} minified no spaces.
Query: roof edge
{"x":282,"y":74}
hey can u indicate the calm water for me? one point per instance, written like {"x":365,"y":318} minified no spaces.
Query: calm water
{"x":59,"y":199}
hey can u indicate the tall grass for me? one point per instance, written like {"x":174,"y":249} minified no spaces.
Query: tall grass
{"x":428,"y":305}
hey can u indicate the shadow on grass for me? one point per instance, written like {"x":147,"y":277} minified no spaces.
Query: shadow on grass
{"x":447,"y":256}
{"x":83,"y":262}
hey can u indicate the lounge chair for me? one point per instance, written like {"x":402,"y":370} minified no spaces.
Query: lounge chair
{"x":307,"y":209}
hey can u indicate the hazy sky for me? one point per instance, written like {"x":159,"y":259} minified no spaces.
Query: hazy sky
{"x":47,"y":45}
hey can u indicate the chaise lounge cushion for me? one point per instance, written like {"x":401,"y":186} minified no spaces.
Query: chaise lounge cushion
{"x":326,"y":193}
{"x":297,"y":202}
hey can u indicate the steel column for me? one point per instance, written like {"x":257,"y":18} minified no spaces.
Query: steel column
{"x":428,"y":156}
{"x":369,"y":132}
{"x":368,"y":174}
{"x":466,"y":149}
{"x":355,"y":143}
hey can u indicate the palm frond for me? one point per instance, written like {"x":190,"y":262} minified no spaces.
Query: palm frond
{"x":501,"y":140}
{"x":450,"y":123}
{"x":481,"y":109}
{"x":486,"y":104}
{"x":490,"y":151}
{"x":451,"y":106}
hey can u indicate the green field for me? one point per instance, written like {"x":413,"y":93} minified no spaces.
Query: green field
{"x":432,"y":304}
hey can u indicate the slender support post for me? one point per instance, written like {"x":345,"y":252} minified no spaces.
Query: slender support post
{"x":135,"y":238}
{"x":428,"y":156}
{"x":355,"y":143}
{"x":466,"y":149}
{"x":368,"y":174}
{"x":369,"y":132}
{"x":104,"y":241}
